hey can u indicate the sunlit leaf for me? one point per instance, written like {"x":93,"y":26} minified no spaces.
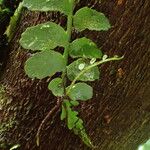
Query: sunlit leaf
{"x":145,"y":146}
{"x":1,"y":2}
{"x":44,"y":37}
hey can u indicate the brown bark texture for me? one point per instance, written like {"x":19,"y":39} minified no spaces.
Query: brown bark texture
{"x":118,"y":116}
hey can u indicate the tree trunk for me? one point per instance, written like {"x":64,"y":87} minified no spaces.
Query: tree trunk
{"x":117,"y":117}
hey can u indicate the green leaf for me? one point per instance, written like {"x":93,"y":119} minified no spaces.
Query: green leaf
{"x":63,"y":113}
{"x":145,"y":146}
{"x":43,"y":64}
{"x":81,"y":91}
{"x":44,"y":36}
{"x":79,"y":125}
{"x":56,"y":87}
{"x":72,"y":117}
{"x":86,"y":139}
{"x":76,"y":124}
{"x":48,"y":5}
{"x":80,"y":130}
{"x":87,"y":18}
{"x":1,"y":2}
{"x":74,"y":103}
{"x":77,"y":66}
{"x":84,"y":47}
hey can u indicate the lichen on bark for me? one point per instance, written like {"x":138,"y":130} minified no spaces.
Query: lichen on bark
{"x":118,"y":117}
{"x":7,"y":120}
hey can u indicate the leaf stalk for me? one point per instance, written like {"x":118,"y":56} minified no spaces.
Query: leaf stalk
{"x":69,"y":31}
{"x":90,"y":67}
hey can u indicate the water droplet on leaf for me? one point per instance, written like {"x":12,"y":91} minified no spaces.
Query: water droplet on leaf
{"x":81,"y":66}
{"x":92,"y":61}
{"x":105,"y":57}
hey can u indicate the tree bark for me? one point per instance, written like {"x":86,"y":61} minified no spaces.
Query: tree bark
{"x":117,"y":117}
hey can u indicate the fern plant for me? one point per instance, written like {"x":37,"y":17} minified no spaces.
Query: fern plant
{"x":85,"y":54}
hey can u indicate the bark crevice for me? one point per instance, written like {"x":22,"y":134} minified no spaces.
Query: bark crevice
{"x":117,"y":118}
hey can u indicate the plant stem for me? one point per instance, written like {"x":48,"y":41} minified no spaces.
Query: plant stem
{"x":88,"y":68}
{"x":56,"y":107}
{"x":10,"y":31}
{"x":69,"y":30}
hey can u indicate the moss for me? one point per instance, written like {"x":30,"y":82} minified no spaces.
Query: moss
{"x":3,"y":98}
{"x":13,"y":22}
{"x":7,"y":121}
{"x":4,"y":127}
